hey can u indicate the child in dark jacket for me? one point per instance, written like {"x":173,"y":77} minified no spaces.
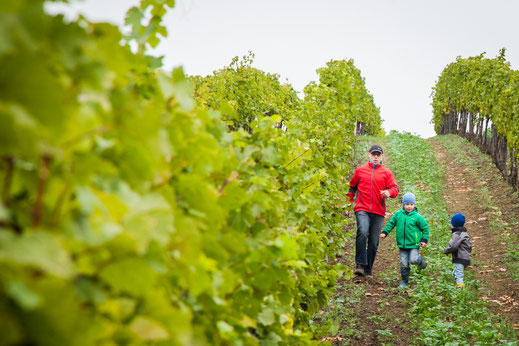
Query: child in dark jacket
{"x":460,"y":247}
{"x":412,"y":233}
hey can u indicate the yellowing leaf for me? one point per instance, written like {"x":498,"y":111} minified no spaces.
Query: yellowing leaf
{"x":248,"y":322}
{"x":119,"y":308}
{"x":147,"y":329}
{"x":224,"y":327}
{"x":112,"y":203}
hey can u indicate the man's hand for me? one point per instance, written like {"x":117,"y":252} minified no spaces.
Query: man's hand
{"x":422,"y":244}
{"x":382,"y":235}
{"x":347,"y":213}
{"x":385,"y":193}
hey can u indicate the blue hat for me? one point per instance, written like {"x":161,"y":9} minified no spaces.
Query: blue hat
{"x":458,"y":220}
{"x":409,"y":198}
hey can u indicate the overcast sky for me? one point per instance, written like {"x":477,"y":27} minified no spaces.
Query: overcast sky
{"x":401,"y":47}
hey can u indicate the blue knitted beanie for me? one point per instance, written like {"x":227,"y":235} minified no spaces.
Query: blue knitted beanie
{"x":458,"y":220}
{"x":409,"y":198}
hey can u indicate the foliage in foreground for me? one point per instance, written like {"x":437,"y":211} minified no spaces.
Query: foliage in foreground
{"x":129,"y":215}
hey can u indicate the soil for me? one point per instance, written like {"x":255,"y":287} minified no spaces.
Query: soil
{"x":381,"y":298}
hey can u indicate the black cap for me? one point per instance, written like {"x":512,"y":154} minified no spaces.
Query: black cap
{"x":376,"y":148}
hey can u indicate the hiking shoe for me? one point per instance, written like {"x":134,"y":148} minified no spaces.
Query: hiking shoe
{"x":460,"y":286}
{"x":368,"y":276}
{"x":359,"y":270}
{"x":403,"y":284}
{"x":423,"y":265}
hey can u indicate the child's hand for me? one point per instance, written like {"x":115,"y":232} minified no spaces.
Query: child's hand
{"x":382,"y":235}
{"x":422,"y":244}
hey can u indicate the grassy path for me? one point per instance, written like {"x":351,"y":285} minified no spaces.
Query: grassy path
{"x":431,"y":310}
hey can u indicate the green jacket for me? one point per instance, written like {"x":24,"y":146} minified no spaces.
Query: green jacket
{"x":411,"y":229}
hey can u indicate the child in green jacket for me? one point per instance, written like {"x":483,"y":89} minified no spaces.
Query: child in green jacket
{"x":412,"y":232}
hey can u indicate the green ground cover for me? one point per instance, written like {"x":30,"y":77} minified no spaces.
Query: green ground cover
{"x":442,"y":313}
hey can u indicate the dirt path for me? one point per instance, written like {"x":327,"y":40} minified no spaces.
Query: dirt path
{"x":462,"y":195}
{"x":379,"y":313}
{"x":381,"y":307}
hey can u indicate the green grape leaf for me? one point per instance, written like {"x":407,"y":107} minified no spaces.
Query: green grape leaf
{"x":133,"y":18}
{"x":267,"y":317}
{"x":36,"y":249}
{"x":23,"y":295}
{"x":129,"y":275}
{"x":271,"y":155}
{"x":4,"y":213}
{"x":61,"y":319}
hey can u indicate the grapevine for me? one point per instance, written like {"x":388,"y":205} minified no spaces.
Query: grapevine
{"x":133,"y":213}
{"x":477,"y":98}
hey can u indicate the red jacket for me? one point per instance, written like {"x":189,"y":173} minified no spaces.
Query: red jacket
{"x":367,"y":182}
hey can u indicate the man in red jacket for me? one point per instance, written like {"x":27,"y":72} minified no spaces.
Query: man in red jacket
{"x":370,"y":186}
